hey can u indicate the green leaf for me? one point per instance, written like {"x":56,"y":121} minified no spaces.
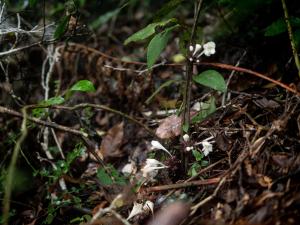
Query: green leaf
{"x":198,"y":155}
{"x":275,"y":28}
{"x":279,"y":26}
{"x":147,"y":31}
{"x":32,"y":3}
{"x":165,"y":84}
{"x":53,"y":101}
{"x":212,"y":79}
{"x":297,"y":37}
{"x":83,"y":86}
{"x":118,"y":178}
{"x":193,"y":169}
{"x":157,"y":45}
{"x":167,"y":9}
{"x":185,"y":128}
{"x":104,"y":178}
{"x":207,"y":108}
{"x":104,"y":18}
{"x":62,"y":27}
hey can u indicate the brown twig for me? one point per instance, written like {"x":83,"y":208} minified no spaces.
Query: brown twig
{"x":210,"y":181}
{"x":217,"y":65}
{"x":189,"y":182}
{"x":243,"y":70}
{"x":106,"y":108}
{"x":8,"y":111}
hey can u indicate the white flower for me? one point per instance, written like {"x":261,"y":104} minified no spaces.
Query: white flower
{"x":157,"y":145}
{"x":128,"y":169}
{"x":197,"y":106}
{"x":207,"y":147}
{"x":186,"y":137}
{"x":137,"y":209}
{"x":191,"y":48}
{"x":197,"y":49}
{"x":140,"y":208}
{"x":148,"y":206}
{"x":189,"y":148}
{"x":151,"y":167}
{"x":209,"y":48}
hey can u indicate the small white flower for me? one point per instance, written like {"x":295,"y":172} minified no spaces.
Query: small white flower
{"x":128,"y":169}
{"x":197,"y":106}
{"x":197,"y":49}
{"x":151,"y":167}
{"x":191,"y":59}
{"x":137,"y":209}
{"x":148,"y":206}
{"x":207,"y":148}
{"x":189,"y":148}
{"x":209,"y":48}
{"x":191,"y":48}
{"x":186,"y":137}
{"x":157,"y":145}
{"x":153,"y":162}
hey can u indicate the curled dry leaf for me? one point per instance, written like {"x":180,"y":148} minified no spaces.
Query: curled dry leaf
{"x":112,"y":142}
{"x":169,"y":127}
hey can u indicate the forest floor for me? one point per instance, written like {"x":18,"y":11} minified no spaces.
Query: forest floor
{"x":120,"y":156}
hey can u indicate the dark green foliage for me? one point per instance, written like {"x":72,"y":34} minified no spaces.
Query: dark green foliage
{"x":62,"y":27}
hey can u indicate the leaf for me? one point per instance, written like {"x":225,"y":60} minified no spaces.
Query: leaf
{"x":32,"y":3}
{"x":147,"y":31}
{"x":111,"y":143}
{"x":156,"y":46}
{"x":169,"y":127}
{"x":275,"y":28}
{"x":84,"y":86}
{"x":104,"y":18}
{"x":185,"y":127}
{"x":62,"y":27}
{"x":279,"y":26}
{"x":207,"y":108}
{"x":53,"y":101}
{"x":118,"y":178}
{"x":212,"y":79}
{"x":167,"y":8}
{"x":198,"y":155}
{"x":165,"y":84}
{"x":104,"y":178}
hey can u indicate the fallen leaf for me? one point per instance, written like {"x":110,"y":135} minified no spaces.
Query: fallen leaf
{"x":111,"y":143}
{"x":169,"y":127}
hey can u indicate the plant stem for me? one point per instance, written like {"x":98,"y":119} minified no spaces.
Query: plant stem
{"x":289,"y":28}
{"x":187,"y":89}
{"x":12,"y":167}
{"x":189,"y":72}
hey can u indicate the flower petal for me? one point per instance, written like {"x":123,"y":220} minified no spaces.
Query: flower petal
{"x":137,"y":209}
{"x":157,"y":145}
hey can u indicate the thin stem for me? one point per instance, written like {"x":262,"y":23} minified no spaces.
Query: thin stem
{"x":189,"y":72}
{"x":292,"y":40}
{"x":12,"y":168}
{"x":187,"y":90}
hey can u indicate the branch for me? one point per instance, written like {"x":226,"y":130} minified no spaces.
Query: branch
{"x":8,"y":111}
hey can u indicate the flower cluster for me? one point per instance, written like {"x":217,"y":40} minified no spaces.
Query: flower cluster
{"x":209,"y":49}
{"x":207,"y":144}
